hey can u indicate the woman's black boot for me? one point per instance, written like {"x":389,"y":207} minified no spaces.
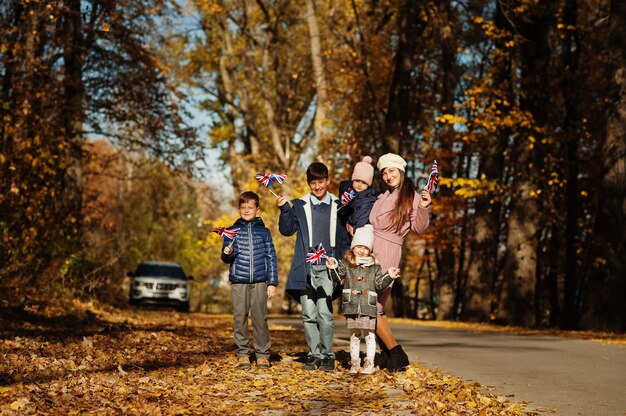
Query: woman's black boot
{"x":398,"y":360}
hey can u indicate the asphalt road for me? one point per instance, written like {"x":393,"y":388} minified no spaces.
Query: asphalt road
{"x":564,"y":377}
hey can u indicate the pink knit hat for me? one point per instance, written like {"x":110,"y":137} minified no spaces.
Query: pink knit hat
{"x":364,"y":171}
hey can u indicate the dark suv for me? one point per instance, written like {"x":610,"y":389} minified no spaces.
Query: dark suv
{"x":160,"y":283}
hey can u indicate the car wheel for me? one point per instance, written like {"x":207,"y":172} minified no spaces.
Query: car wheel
{"x":183,"y":307}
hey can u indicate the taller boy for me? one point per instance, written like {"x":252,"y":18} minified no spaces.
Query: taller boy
{"x":313,"y":218}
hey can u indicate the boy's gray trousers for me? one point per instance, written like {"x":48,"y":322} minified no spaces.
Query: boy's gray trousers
{"x":251,"y":298}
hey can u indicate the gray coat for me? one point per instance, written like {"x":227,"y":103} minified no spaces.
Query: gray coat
{"x":359,"y":288}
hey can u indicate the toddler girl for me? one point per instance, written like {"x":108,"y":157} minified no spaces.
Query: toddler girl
{"x":362,"y":278}
{"x":357,"y":212}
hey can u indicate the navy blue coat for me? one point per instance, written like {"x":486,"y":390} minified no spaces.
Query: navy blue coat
{"x":362,"y":206}
{"x":293,"y":220}
{"x":357,"y":212}
{"x":253,"y":259}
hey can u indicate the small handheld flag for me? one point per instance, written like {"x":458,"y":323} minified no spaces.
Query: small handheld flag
{"x":347,"y":196}
{"x":267,"y":179}
{"x":278,"y":177}
{"x":433,"y":179}
{"x":226,"y":233}
{"x":316,"y":254}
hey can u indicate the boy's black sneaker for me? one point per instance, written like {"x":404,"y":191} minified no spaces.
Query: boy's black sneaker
{"x":328,"y":364}
{"x":312,"y":363}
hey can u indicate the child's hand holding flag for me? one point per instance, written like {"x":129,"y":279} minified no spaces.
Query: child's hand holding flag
{"x":347,"y":197}
{"x":316,"y":254}
{"x":226,"y":233}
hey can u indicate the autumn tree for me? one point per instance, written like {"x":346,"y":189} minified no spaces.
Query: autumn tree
{"x":71,"y":70}
{"x":513,"y":100}
{"x":134,"y":214}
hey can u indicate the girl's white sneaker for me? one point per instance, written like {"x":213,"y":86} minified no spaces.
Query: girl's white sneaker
{"x":368,"y":366}
{"x":355,"y":366}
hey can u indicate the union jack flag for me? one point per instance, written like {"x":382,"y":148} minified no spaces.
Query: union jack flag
{"x":347,"y":196}
{"x":316,"y":254}
{"x":267,"y":179}
{"x":225,"y":233}
{"x":278,"y":177}
{"x":433,"y":179}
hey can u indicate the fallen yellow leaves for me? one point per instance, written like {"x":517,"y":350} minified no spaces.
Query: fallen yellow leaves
{"x":161,"y":363}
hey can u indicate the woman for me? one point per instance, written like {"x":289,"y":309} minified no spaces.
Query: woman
{"x":396,"y":212}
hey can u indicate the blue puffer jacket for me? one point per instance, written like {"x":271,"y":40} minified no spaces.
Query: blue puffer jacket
{"x":362,"y":206}
{"x":253,"y":259}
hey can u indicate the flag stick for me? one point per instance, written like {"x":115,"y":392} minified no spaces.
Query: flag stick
{"x":337,"y":274}
{"x":274,"y":193}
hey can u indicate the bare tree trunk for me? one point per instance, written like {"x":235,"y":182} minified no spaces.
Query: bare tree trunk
{"x":610,"y":229}
{"x":10,"y":95}
{"x":398,"y":116}
{"x":516,"y":304}
{"x":239,"y":164}
{"x":552,"y":277}
{"x":445,"y":276}
{"x":241,"y":101}
{"x":73,"y":111}
{"x":522,"y":269}
{"x":483,"y":267}
{"x":321,"y":86}
{"x":252,"y":143}
{"x":450,"y":273}
{"x":572,"y":287}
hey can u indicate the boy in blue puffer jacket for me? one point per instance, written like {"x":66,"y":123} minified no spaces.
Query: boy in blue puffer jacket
{"x":253,"y":278}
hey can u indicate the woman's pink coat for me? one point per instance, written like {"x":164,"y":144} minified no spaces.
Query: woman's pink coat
{"x":388,"y":241}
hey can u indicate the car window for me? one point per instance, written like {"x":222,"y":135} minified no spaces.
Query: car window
{"x":160,"y":270}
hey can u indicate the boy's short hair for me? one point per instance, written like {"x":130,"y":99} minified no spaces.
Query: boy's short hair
{"x":249,"y":196}
{"x":316,"y":170}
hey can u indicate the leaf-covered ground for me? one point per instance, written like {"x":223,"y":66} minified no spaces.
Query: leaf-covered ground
{"x":87,"y":360}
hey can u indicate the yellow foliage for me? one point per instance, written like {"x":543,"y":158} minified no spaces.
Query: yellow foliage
{"x":471,"y":188}
{"x":451,"y":119}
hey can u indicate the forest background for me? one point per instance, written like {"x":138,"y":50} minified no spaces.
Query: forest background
{"x":126,"y":124}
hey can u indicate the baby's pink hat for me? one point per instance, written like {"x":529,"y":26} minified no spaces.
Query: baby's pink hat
{"x":364,"y":171}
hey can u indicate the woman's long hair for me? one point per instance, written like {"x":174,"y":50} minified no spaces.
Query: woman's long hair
{"x":351,"y":258}
{"x":404,"y":204}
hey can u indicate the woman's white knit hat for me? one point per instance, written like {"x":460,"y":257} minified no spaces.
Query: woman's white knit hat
{"x":363,"y":236}
{"x":391,"y":160}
